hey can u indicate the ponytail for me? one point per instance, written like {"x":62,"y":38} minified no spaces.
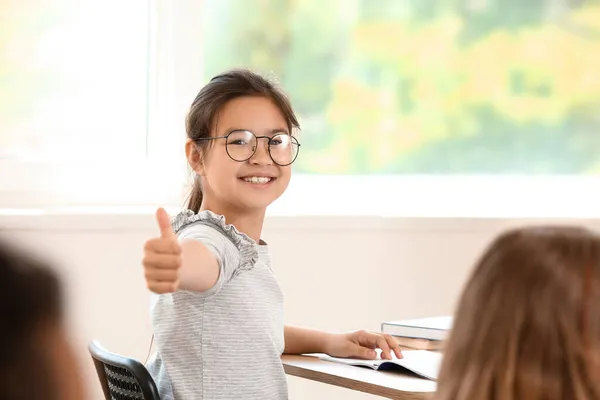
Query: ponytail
{"x":195,"y":198}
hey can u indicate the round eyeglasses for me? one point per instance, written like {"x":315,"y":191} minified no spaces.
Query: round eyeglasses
{"x":241,"y":145}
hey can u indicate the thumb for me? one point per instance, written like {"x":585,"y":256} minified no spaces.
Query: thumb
{"x":363,"y":352}
{"x":164,"y":223}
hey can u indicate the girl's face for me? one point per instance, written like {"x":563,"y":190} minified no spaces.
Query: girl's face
{"x":253,"y":184}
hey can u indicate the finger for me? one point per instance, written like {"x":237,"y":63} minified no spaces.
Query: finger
{"x":363,"y":352}
{"x":162,"y":287}
{"x":164,"y":223}
{"x":163,"y":275}
{"x":394,"y":346}
{"x":385,"y":347}
{"x":376,"y":340}
{"x":163,"y":246}
{"x":156,"y":260}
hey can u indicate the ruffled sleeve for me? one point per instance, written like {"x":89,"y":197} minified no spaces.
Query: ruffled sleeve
{"x":235,"y":251}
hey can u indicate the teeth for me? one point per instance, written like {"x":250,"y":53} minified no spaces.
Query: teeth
{"x":257,"y":179}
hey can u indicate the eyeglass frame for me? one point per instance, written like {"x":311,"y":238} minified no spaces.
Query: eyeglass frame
{"x":269,"y":139}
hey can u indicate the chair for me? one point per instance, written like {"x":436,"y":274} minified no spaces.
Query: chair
{"x":122,"y":378}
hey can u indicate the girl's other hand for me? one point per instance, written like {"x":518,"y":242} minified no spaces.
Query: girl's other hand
{"x":362,"y":344}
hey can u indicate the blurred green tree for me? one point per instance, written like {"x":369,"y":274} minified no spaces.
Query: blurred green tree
{"x":428,"y":86}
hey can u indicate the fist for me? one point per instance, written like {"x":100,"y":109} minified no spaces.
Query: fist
{"x":162,"y":257}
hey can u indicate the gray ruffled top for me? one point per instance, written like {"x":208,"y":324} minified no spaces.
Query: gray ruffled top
{"x":245,"y":245}
{"x":225,"y":343}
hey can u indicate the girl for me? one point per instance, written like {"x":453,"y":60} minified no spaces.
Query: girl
{"x":527,"y":326}
{"x":218,"y":319}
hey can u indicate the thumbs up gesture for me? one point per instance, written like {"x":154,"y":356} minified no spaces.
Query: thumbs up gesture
{"x":162,"y":257}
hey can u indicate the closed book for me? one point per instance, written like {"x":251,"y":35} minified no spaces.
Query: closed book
{"x":419,"y":344}
{"x":434,"y":328}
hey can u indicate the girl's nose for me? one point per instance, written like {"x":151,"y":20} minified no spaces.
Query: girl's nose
{"x":261,"y":155}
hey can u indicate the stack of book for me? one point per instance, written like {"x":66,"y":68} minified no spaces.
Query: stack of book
{"x":421,"y":334}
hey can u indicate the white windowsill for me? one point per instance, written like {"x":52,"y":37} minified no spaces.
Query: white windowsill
{"x":350,"y":202}
{"x":443,"y":196}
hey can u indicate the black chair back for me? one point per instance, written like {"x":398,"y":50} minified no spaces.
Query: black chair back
{"x":122,"y":378}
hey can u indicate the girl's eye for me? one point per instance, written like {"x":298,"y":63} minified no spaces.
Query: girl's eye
{"x":280,"y":139}
{"x":238,"y":142}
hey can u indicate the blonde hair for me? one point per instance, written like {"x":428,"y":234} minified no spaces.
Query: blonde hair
{"x":527,"y":326}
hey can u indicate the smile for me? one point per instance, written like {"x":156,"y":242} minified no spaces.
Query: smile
{"x":257,"y":179}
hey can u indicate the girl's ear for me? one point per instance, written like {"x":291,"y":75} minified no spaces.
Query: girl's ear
{"x":194,"y":157}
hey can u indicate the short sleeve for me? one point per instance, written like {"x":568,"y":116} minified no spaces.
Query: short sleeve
{"x":210,"y":237}
{"x":235,"y":252}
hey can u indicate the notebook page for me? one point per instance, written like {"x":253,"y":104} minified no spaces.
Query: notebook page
{"x":422,"y":362}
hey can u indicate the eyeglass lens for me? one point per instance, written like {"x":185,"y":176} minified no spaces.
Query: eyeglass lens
{"x":283,"y":148}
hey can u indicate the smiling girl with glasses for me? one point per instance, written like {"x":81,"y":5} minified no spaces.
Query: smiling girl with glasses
{"x":218,"y":313}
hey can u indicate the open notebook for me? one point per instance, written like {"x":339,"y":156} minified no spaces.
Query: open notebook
{"x":421,"y":362}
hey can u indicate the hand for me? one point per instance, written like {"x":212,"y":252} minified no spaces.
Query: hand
{"x":162,"y":257}
{"x":362,"y":344}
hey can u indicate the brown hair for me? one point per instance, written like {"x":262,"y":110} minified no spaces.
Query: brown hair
{"x":30,"y":299}
{"x":527,"y":326}
{"x":212,"y":97}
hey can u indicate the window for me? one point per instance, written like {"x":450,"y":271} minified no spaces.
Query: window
{"x":87,"y":103}
{"x":426,"y":87}
{"x":75,"y":79}
{"x":400,"y":102}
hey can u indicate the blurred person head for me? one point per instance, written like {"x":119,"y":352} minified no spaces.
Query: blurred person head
{"x":36,"y":359}
{"x":527,"y":326}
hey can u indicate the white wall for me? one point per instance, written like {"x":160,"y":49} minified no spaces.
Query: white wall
{"x":338,"y":273}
